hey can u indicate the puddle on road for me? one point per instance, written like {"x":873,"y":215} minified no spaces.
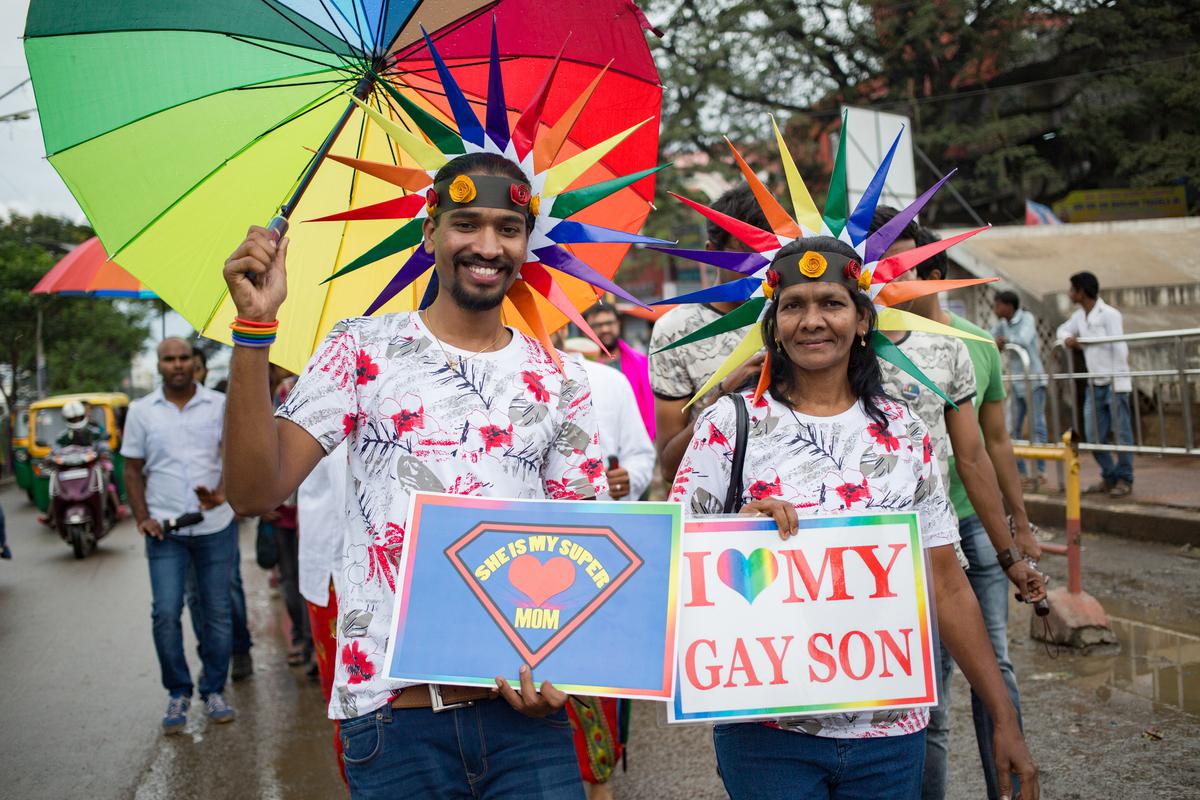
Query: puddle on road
{"x":1157,"y":662}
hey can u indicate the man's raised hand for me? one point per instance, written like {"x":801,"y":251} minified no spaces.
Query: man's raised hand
{"x":257,"y":276}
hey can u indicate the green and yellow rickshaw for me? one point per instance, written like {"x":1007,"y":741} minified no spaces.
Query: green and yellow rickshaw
{"x":22,"y":468}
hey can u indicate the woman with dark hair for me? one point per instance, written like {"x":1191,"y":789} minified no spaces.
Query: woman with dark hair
{"x":824,"y":439}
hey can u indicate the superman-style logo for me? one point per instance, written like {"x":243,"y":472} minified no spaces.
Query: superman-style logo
{"x":541,"y":583}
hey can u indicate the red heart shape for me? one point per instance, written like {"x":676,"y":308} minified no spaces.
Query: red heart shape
{"x":539,"y":582}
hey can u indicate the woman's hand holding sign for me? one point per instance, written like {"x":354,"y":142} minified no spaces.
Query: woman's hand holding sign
{"x":540,"y":702}
{"x":784,"y":514}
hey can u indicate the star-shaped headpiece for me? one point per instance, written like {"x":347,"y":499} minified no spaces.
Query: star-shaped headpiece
{"x":536,"y":149}
{"x":762,"y":272}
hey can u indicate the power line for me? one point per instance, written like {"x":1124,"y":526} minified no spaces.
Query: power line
{"x":13,"y":89}
{"x":989,"y":89}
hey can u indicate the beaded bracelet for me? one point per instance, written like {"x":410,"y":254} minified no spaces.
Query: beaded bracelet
{"x":253,"y":333}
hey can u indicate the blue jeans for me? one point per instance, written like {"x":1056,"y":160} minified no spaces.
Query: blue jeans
{"x":487,"y":750}
{"x":237,"y":601}
{"x":212,"y":555}
{"x":1101,"y":396}
{"x":1020,"y":407}
{"x":991,"y":588}
{"x":761,"y":763}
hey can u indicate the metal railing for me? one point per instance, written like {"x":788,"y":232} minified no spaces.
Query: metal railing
{"x":1171,"y":361}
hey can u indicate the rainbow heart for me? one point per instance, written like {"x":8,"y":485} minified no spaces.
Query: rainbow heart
{"x":748,"y":576}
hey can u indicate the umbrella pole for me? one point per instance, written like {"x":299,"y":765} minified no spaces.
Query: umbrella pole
{"x":279,"y":223}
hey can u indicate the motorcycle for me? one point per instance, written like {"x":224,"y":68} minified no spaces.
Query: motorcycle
{"x":81,"y":509}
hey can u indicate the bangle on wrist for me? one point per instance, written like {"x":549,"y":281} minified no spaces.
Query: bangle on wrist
{"x":1007,"y":557}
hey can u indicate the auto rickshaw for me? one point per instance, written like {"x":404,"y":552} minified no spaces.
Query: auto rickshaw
{"x":46,"y":424}
{"x":22,"y":467}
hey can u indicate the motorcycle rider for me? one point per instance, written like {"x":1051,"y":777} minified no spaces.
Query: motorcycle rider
{"x":81,"y":430}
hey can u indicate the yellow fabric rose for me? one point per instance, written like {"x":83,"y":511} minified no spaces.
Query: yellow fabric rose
{"x":462,"y":189}
{"x":813,"y":265}
{"x":535,"y":204}
{"x":768,"y":290}
{"x":864,"y":280}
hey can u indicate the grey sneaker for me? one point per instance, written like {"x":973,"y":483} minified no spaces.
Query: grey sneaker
{"x":175,"y":720}
{"x":1120,"y":489}
{"x":218,"y":709}
{"x":241,"y":667}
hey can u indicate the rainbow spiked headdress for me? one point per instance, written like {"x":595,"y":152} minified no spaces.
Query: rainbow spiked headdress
{"x":761,"y":270}
{"x":528,"y":143}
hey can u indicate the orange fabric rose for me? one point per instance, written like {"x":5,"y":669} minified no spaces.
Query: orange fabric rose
{"x":813,"y":265}
{"x":462,"y":189}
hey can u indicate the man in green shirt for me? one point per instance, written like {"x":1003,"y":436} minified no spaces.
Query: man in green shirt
{"x":985,"y":573}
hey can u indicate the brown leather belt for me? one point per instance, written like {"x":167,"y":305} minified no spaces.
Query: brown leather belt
{"x":440,"y":697}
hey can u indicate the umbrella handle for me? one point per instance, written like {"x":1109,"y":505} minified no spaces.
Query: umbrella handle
{"x":279,"y":223}
{"x":278,"y":226}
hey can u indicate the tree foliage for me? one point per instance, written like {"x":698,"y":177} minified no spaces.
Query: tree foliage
{"x":88,"y":342}
{"x":1026,"y":98}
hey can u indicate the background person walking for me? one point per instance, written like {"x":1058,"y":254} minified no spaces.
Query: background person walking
{"x":172,"y":449}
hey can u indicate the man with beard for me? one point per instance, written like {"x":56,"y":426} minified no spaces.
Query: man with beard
{"x":172,"y":449}
{"x":445,"y":400}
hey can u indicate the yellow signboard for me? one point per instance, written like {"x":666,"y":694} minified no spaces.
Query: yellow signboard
{"x":1105,"y":205}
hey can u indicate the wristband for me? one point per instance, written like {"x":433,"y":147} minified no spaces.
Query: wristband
{"x":1007,"y":557}
{"x":251,"y":333}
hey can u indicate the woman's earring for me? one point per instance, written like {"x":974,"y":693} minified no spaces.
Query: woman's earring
{"x":863,"y":341}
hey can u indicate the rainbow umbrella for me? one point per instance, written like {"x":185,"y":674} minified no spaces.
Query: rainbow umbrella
{"x":177,"y":125}
{"x":86,"y":271}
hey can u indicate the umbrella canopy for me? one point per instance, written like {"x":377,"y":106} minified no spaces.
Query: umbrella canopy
{"x":177,"y":125}
{"x":87,"y":272}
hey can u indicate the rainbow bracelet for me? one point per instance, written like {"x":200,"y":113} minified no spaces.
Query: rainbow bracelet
{"x":252,"y":333}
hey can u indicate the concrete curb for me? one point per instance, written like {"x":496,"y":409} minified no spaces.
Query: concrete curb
{"x":1140,"y":521}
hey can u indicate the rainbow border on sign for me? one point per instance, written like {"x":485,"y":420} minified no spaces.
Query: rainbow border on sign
{"x":422,"y":499}
{"x":753,"y":524}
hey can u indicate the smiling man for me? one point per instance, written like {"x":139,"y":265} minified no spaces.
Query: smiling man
{"x":445,"y":400}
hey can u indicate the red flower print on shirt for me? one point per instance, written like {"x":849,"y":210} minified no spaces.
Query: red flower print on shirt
{"x":494,"y":436}
{"x":761,"y":489}
{"x":927,"y":449}
{"x":366,"y":370}
{"x":883,"y":436}
{"x":561,"y":490}
{"x":359,"y":668}
{"x":533,"y":382}
{"x":406,"y":420}
{"x":842,"y":490}
{"x":592,"y":467}
{"x":383,"y":555}
{"x":715,"y":437}
{"x":349,"y":422}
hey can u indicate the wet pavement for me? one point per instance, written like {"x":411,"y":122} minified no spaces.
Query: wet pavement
{"x":81,"y":699}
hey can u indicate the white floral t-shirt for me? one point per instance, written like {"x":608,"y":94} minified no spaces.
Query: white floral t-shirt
{"x":502,"y":424}
{"x":824,"y":466}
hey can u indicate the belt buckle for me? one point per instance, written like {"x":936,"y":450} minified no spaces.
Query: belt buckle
{"x":436,"y":704}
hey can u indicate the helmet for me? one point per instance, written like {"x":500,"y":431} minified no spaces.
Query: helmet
{"x":74,"y":414}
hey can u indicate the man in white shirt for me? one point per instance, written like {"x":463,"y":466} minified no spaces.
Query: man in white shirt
{"x":172,"y":449}
{"x":1109,"y":387}
{"x":627,"y":449}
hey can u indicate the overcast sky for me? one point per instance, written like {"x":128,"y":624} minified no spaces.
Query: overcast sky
{"x":27,"y":181}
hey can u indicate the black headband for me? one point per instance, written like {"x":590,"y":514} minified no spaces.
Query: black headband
{"x":482,"y":191}
{"x":812,"y":265}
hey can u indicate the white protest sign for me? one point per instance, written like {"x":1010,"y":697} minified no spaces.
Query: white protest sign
{"x":834,"y":619}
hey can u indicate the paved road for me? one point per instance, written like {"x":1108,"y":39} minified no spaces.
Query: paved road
{"x":81,"y":700}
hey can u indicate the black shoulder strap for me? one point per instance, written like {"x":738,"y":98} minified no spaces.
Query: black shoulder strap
{"x":733,"y":496}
